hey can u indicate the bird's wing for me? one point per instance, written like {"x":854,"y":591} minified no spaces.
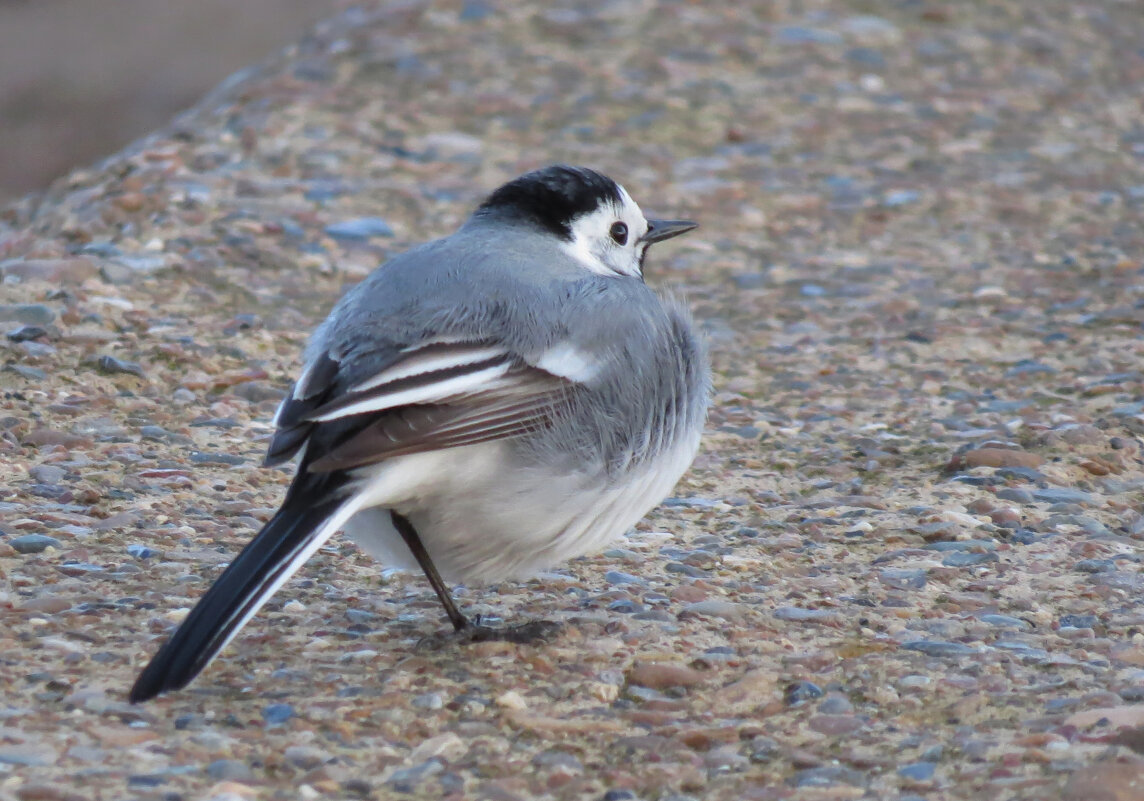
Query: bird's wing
{"x":438,"y":394}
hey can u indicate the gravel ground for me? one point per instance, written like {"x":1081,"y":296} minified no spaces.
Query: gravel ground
{"x":907,"y":563}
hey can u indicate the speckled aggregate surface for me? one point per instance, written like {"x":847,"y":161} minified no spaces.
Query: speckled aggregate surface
{"x":907,"y":562}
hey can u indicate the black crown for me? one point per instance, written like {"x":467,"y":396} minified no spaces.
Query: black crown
{"x":552,"y":197}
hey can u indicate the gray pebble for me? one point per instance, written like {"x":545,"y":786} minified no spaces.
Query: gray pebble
{"x":229,"y":769}
{"x":34,"y":543}
{"x":799,"y":692}
{"x":728,"y":610}
{"x":24,"y":333}
{"x":961,"y":545}
{"x":28,"y":754}
{"x":939,"y":648}
{"x":277,"y":714}
{"x":138,"y":551}
{"x":428,"y":701}
{"x":1015,"y":495}
{"x":406,"y":780}
{"x":360,"y":228}
{"x":110,"y":364}
{"x":1019,"y":473}
{"x":1005,"y":621}
{"x":687,"y":570}
{"x":1063,"y":495}
{"x":963,"y":559}
{"x":799,"y":34}
{"x":1078,"y":621}
{"x":828,"y":776}
{"x":199,"y":457}
{"x":903,"y":578}
{"x":798,"y":614}
{"x":1095,"y":565}
{"x":835,"y":704}
{"x":47,"y":473}
{"x":619,"y":577}
{"x":27,"y":313}
{"x":918,"y":771}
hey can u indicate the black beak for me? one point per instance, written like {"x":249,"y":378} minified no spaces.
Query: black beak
{"x":659,"y":230}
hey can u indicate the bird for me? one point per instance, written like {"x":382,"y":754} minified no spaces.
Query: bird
{"x":482,"y":407}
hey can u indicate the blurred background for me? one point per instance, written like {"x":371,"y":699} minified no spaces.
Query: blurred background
{"x":79,"y":80}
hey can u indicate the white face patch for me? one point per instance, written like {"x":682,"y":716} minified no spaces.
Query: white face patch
{"x":594,"y":246}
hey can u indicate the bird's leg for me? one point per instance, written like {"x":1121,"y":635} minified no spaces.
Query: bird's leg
{"x":466,"y":630}
{"x":413,"y":540}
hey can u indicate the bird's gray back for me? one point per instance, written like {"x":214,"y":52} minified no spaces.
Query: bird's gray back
{"x":516,"y":288}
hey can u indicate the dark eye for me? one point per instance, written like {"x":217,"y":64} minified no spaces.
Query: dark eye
{"x":619,"y":233}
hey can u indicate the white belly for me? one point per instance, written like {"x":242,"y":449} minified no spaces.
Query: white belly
{"x":483,"y":519}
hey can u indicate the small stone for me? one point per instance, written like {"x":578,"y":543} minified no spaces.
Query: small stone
{"x":1016,"y":495}
{"x":799,"y":692}
{"x":835,"y":704}
{"x":827,"y":777}
{"x":199,"y":457}
{"x":448,"y":746}
{"x":277,"y":714}
{"x":1095,"y":565}
{"x":406,"y":780}
{"x":619,"y":577}
{"x":755,"y":689}
{"x":1078,"y":621}
{"x":360,"y":228}
{"x":47,"y":473}
{"x":939,"y":648}
{"x":52,"y":271}
{"x":661,"y":675}
{"x":1000,"y":457}
{"x":27,"y":313}
{"x":799,"y":615}
{"x":110,"y":364}
{"x":511,"y":700}
{"x":903,"y":578}
{"x":229,"y":770}
{"x":428,"y":701}
{"x":1063,"y":495}
{"x":141,"y":551}
{"x":26,"y":333}
{"x":28,"y":754}
{"x":1105,"y":781}
{"x":1005,"y":621}
{"x":727,"y":610}
{"x":34,"y":543}
{"x":963,"y":559}
{"x":918,"y":771}
{"x":834,"y":725}
{"x":619,"y":794}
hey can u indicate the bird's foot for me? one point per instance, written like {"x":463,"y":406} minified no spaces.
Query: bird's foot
{"x":533,"y":632}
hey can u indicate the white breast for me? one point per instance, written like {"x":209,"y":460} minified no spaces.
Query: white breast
{"x":483,"y":515}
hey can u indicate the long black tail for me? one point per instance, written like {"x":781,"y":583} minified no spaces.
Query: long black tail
{"x":306,"y":519}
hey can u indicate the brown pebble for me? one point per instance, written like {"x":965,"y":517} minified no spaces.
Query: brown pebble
{"x":45,"y":792}
{"x":1098,"y":467}
{"x":50,"y":604}
{"x":687,"y":593}
{"x":703,"y":739}
{"x":45,"y":436}
{"x":661,"y":675}
{"x":753,"y":690}
{"x":543,"y":724}
{"x":999,"y":457}
{"x":835,"y":724}
{"x":1106,"y":781}
{"x":53,"y":271}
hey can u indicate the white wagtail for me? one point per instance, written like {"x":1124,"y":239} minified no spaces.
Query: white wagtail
{"x":482,"y":407}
